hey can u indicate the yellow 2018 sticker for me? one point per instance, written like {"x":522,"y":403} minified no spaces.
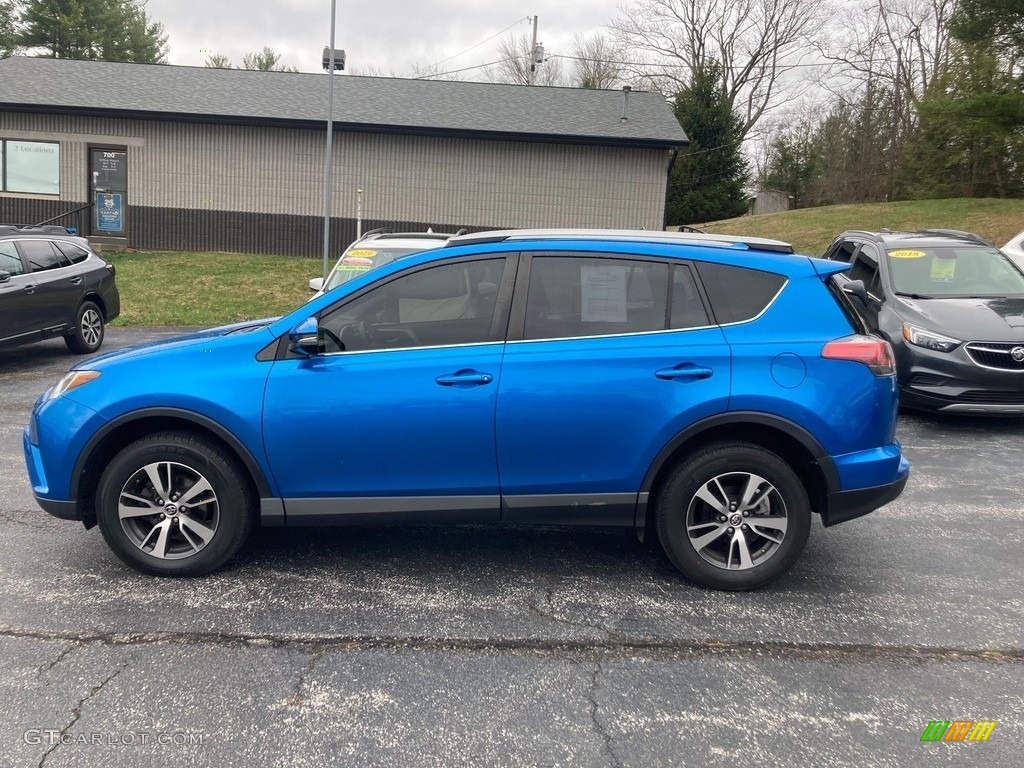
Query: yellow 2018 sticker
{"x":907,"y":254}
{"x":366,"y":253}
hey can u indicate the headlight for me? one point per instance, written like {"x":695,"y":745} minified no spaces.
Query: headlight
{"x":71,"y":380}
{"x":929,"y":339}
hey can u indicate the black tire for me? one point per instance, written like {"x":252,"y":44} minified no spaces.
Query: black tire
{"x":729,"y":470}
{"x":88,"y":332}
{"x":198,"y":538}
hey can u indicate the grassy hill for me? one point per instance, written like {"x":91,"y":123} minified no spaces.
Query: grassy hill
{"x":810,"y":230}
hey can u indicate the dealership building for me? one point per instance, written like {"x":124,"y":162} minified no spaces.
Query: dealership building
{"x":190,"y":158}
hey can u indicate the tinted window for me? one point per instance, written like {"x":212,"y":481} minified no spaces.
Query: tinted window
{"x":736,"y":293}
{"x":842,"y":251}
{"x":450,"y":304}
{"x":580,"y":296}
{"x":865,"y":267}
{"x":41,"y":255}
{"x":9,"y":260}
{"x":75,"y":254}
{"x":687,"y":308}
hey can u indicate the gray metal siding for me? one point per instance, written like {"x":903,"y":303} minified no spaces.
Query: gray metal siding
{"x":267,"y":170}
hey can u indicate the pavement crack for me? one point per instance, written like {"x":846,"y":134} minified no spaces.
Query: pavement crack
{"x":548,"y":612}
{"x":47,"y":667}
{"x":606,"y":737}
{"x":299,"y":697}
{"x":8,"y":517}
{"x":613,"y":644}
{"x":76,"y":714}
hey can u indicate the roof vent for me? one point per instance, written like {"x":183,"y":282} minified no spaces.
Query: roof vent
{"x":625,"y":103}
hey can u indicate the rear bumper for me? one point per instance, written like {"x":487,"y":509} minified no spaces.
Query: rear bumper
{"x":846,"y":505}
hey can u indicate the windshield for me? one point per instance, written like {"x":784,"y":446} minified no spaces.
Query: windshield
{"x":954,"y":271}
{"x":358,"y":260}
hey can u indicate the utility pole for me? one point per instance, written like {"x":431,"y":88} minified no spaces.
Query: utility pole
{"x":533,"y":53}
{"x":329,"y":154}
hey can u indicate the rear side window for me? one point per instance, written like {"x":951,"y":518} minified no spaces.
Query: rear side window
{"x":74,"y":254}
{"x":41,"y":255}
{"x":582,"y":296}
{"x":10,"y":262}
{"x":738,"y":294}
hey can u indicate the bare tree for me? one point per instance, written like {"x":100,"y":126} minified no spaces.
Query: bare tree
{"x":266,"y":60}
{"x":756,"y":42}
{"x":597,"y":61}
{"x":216,"y":61}
{"x":514,"y":66}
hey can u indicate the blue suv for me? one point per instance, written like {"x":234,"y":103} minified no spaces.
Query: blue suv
{"x":708,"y":390}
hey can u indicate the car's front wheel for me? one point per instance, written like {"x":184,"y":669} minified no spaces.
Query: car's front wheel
{"x":87,"y":335}
{"x":174,"y":504}
{"x":733,"y":516}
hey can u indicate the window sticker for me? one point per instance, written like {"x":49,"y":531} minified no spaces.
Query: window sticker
{"x":943,"y":270}
{"x":603,"y":293}
{"x":907,"y":254}
{"x":353,"y":268}
{"x":357,"y":261}
{"x":364,"y":253}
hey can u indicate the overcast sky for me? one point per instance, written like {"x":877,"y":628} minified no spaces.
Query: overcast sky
{"x":389,"y":35}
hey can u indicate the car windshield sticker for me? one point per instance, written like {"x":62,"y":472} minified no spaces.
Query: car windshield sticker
{"x":603,"y":293}
{"x":362,"y":253}
{"x":357,"y":261}
{"x":907,"y":254}
{"x":352,"y":268}
{"x":943,"y":270}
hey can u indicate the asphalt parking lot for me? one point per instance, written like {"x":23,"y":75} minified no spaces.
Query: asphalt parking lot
{"x":521,"y":647}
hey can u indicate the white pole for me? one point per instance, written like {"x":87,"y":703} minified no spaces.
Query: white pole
{"x":533,"y":53}
{"x":359,"y":213}
{"x":329,"y":161}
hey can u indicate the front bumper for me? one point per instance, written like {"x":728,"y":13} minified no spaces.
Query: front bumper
{"x":846,"y":505}
{"x":952,"y":382}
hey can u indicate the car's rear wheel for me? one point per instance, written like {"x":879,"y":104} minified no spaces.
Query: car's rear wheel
{"x":733,"y":516}
{"x":174,"y":504}
{"x":87,"y":335}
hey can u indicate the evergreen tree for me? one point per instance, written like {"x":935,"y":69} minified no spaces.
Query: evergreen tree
{"x":8,"y":31}
{"x":706,"y":183}
{"x":107,"y":30}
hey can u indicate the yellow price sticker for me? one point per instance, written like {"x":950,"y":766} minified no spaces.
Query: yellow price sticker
{"x":907,"y":254}
{"x":363,"y":253}
{"x":943,"y":270}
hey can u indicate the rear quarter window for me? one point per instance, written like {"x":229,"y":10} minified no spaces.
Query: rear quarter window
{"x":738,"y":294}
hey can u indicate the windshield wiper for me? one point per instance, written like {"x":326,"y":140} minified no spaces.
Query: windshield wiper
{"x":913,"y":295}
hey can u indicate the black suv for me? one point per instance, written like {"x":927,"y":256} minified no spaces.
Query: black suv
{"x":952,"y":306}
{"x":53,"y":284}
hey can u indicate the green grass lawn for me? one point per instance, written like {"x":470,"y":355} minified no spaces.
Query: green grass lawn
{"x":204,"y":289}
{"x":810,"y":230}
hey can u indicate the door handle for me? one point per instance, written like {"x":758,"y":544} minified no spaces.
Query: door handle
{"x":29,"y":289}
{"x":464,"y":378}
{"x":684,"y":372}
{"x":76,"y":281}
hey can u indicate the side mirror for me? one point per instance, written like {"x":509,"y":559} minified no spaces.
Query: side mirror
{"x":316,"y":284}
{"x":856,"y":289}
{"x":5,"y":277}
{"x":305,"y":337}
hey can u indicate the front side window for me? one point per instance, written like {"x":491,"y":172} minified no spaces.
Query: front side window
{"x":437,"y":306}
{"x":865,"y":268}
{"x":579,"y":296}
{"x":30,"y":167}
{"x":10,"y":262}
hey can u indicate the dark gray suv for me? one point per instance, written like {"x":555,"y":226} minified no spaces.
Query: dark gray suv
{"x":53,"y":284}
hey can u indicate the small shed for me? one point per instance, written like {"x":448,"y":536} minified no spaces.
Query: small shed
{"x":770,"y":201}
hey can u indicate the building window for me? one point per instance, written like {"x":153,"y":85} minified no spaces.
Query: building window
{"x":30,"y":167}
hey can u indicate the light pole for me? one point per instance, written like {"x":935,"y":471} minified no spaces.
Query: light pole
{"x":332,"y":59}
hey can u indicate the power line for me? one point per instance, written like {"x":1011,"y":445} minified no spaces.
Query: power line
{"x":432,"y":75}
{"x":506,"y":29}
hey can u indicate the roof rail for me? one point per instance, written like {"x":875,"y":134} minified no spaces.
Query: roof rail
{"x":34,"y":229}
{"x":378,"y":231}
{"x":957,"y":233}
{"x":626,"y":235}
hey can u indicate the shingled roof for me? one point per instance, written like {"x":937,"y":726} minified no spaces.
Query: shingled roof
{"x":377,"y":104}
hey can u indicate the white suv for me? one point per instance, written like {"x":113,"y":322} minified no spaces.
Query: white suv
{"x":375,"y":248}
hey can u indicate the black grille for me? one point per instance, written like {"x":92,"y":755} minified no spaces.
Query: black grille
{"x":996,"y":355}
{"x":991,"y":398}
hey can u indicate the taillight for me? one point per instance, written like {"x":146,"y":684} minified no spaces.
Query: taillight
{"x":875,"y":353}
